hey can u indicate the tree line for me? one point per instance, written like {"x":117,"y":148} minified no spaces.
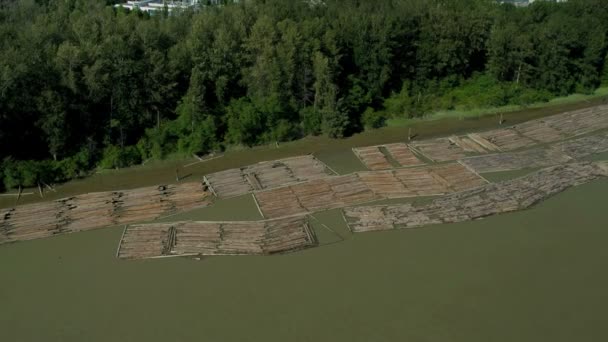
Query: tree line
{"x":85,"y":85}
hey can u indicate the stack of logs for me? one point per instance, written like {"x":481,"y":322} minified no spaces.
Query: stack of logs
{"x":550,"y":129}
{"x":384,"y":157}
{"x":101,"y":209}
{"x":524,"y":135}
{"x":216,"y":238}
{"x":491,"y":199}
{"x":583,"y":147}
{"x":555,"y":154}
{"x":266,"y":175}
{"x":534,"y":158}
{"x":440,"y":149}
{"x":337,"y":192}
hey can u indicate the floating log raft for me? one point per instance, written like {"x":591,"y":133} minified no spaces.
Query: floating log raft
{"x":362,"y":187}
{"x":440,"y":149}
{"x":579,"y":122}
{"x":372,"y":158}
{"x":279,"y":202}
{"x":101,"y":209}
{"x":216,"y":238}
{"x":491,"y":199}
{"x":483,"y":143}
{"x":507,"y":139}
{"x":402,"y":154}
{"x":549,"y":129}
{"x":421,"y":181}
{"x":539,"y":131}
{"x":469,"y":144}
{"x":350,"y":190}
{"x":379,"y":157}
{"x":266,"y":175}
{"x":456,"y":177}
{"x":583,"y":147}
{"x":525,"y":135}
{"x":555,"y":154}
{"x":534,"y":158}
{"x":335,"y":192}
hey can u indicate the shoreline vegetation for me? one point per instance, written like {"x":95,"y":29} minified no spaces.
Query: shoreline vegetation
{"x":163,"y":171}
{"x":464,"y":114}
{"x":86,"y":86}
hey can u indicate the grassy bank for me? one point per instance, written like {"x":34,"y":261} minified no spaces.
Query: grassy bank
{"x":479,"y":112}
{"x":332,"y":151}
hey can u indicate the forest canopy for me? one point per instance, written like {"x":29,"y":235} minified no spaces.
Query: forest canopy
{"x":85,"y":85}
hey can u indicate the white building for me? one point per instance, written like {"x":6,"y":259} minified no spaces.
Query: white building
{"x":523,"y":3}
{"x":152,"y":6}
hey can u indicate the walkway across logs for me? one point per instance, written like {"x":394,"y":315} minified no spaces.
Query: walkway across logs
{"x":100,"y":209}
{"x":216,"y":238}
{"x":491,"y":199}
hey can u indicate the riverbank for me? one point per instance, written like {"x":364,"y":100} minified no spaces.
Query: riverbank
{"x":331,"y":151}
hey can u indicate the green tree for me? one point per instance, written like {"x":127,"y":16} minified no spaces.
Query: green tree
{"x":54,"y":122}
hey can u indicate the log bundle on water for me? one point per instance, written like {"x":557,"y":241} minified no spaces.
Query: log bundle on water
{"x":552,"y":154}
{"x":550,"y":129}
{"x":377,"y":157}
{"x":101,"y":209}
{"x":216,"y":238}
{"x":266,"y":175}
{"x":525,"y":135}
{"x":491,"y":199}
{"x":341,"y":191}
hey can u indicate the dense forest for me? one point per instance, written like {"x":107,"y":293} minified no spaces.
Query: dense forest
{"x":85,"y":85}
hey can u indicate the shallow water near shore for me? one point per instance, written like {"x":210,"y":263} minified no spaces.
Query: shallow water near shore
{"x":535,"y":275}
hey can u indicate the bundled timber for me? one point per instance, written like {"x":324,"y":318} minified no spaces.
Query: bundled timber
{"x":385,"y":184}
{"x":539,"y":131}
{"x":350,"y":190}
{"x":228,"y":183}
{"x":310,"y":196}
{"x":456,"y":177}
{"x":402,"y":154}
{"x":555,"y":154}
{"x":580,"y":121}
{"x":421,"y":181}
{"x":372,"y":158}
{"x":483,"y":142}
{"x":583,"y":147}
{"x":362,"y":187}
{"x":144,"y":241}
{"x":100,"y":209}
{"x":440,"y":149}
{"x":377,"y":157}
{"x":534,"y":158}
{"x":279,"y":202}
{"x":506,"y":139}
{"x":266,"y":175}
{"x":216,"y":238}
{"x":549,"y":129}
{"x":468,"y":144}
{"x":335,"y":192}
{"x":491,"y":199}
